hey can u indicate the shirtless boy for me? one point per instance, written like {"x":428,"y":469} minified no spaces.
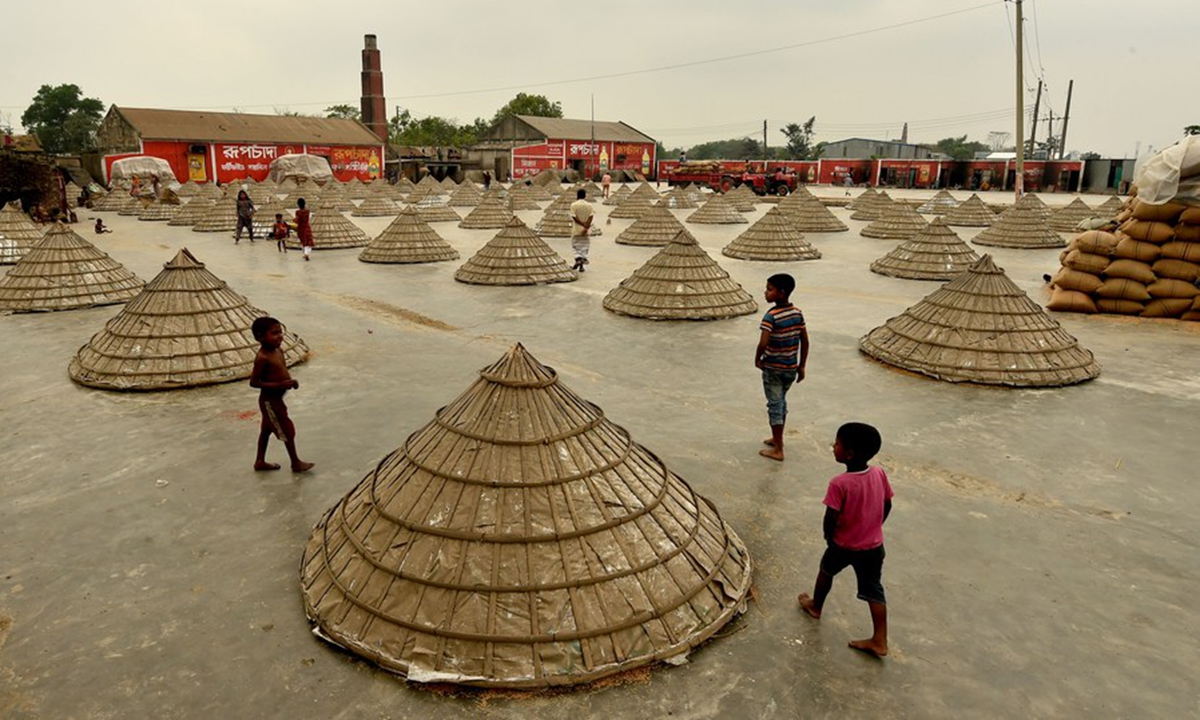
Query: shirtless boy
{"x":270,"y":375}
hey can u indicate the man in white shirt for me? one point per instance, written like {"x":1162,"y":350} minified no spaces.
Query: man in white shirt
{"x":581,"y":228}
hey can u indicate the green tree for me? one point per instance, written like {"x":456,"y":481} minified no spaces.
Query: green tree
{"x":345,"y":112}
{"x":524,"y":104}
{"x":1191,"y":130}
{"x":733,"y":149}
{"x":63,"y":120}
{"x":800,"y":140}
{"x":960,"y":148}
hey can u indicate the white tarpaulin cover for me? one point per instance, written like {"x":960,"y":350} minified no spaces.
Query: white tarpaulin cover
{"x":296,"y":166}
{"x":144,"y":167}
{"x":1173,"y":174}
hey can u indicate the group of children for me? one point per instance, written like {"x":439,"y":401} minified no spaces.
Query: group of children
{"x":857,"y":501}
{"x":281,"y":230}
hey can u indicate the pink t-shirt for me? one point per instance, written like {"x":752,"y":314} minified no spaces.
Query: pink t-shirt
{"x":859,"y":497}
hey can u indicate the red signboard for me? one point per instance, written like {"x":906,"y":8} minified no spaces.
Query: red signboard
{"x":590,"y":157}
{"x":236,"y":161}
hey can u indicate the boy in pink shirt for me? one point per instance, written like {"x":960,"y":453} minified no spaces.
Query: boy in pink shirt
{"x":856,"y":505}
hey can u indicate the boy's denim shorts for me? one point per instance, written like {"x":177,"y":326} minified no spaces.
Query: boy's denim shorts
{"x":868,"y":569}
{"x":776,"y":383}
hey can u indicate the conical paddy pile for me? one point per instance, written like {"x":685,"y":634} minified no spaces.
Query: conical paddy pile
{"x":287,"y":185}
{"x":132,"y":205}
{"x":808,"y":215}
{"x":431,"y":186}
{"x":490,"y":214}
{"x":595,"y":193}
{"x":538,"y":193}
{"x":681,"y":282}
{"x":432,"y":208}
{"x":112,"y":202}
{"x":521,"y":540}
{"x":1033,"y":203}
{"x":185,"y":329}
{"x":899,"y":222}
{"x":655,"y":228}
{"x":405,"y":185}
{"x":717,"y":211}
{"x":515,"y":256}
{"x":631,"y":208}
{"x":865,"y":198}
{"x":873,"y":208}
{"x":333,"y":197}
{"x":939,"y":204}
{"x":773,"y":238}
{"x":408,"y":240}
{"x":557,"y":222}
{"x":1110,"y":208}
{"x":221,"y":217}
{"x":981,"y":328}
{"x":1021,"y":226}
{"x":742,"y":198}
{"x":647,"y":191}
{"x":264,"y":218}
{"x":260,"y":195}
{"x":19,"y":234}
{"x":616,"y":197}
{"x":973,"y":212}
{"x":192,"y":212}
{"x":210,"y":191}
{"x":465,"y":195}
{"x":159,"y":211}
{"x":332,"y":231}
{"x":519,"y":199}
{"x":1067,"y":219}
{"x":678,"y":199}
{"x":376,"y":206}
{"x":191,"y":188}
{"x":356,"y":189}
{"x":935,"y":253}
{"x":65,"y":272}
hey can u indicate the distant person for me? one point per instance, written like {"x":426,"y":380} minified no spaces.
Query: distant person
{"x":857,"y":504}
{"x":781,"y":355}
{"x":135,"y":186}
{"x":682,"y":157}
{"x":487,"y":181}
{"x":280,"y":230}
{"x":606,"y":183}
{"x":581,"y":228}
{"x":304,"y":228}
{"x":99,"y":227}
{"x":270,"y":375}
{"x":245,"y":216}
{"x":154,"y":183}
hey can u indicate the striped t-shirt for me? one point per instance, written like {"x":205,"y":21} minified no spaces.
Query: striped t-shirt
{"x":785,"y":325}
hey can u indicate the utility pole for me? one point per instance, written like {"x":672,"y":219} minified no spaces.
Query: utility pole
{"x":1033,"y":126}
{"x":1049,"y":130}
{"x":1062,"y":144}
{"x":1020,"y":184}
{"x":765,"y":155}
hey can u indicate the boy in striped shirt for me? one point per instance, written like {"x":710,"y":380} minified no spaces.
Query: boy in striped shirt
{"x":781,"y":354}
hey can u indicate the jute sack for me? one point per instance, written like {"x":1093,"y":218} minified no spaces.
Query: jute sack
{"x":1182,"y":251}
{"x":1096,"y":242}
{"x":1166,"y":308}
{"x":1069,"y":279}
{"x":1119,"y":307}
{"x":1132,"y":249}
{"x":1187,"y":233}
{"x":1177,"y":270}
{"x":1063,"y":300}
{"x":1191,"y":216}
{"x":1085,"y":262}
{"x":1155,"y":232}
{"x":1124,"y":215}
{"x":1168,"y":288}
{"x":1167,"y":212}
{"x":1132,"y":269}
{"x":1123,"y":289}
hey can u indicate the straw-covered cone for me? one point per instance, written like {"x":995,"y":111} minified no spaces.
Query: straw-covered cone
{"x":18,"y":234}
{"x":939,"y":204}
{"x":192,"y":212}
{"x":772,"y":238}
{"x":449,"y":184}
{"x":808,"y":215}
{"x":221,"y":217}
{"x":557,"y":222}
{"x":679,"y":199}
{"x":264,"y":216}
{"x":158,"y":211}
{"x":332,"y":231}
{"x":981,"y":328}
{"x":409,"y":239}
{"x":935,"y":253}
{"x":376,"y":206}
{"x":681,"y":282}
{"x":521,"y":539}
{"x":515,"y":256}
{"x":616,"y":197}
{"x":899,"y":222}
{"x":132,"y":205}
{"x":631,"y":208}
{"x":112,"y":202}
{"x":717,"y":211}
{"x":432,"y":186}
{"x":873,"y":208}
{"x":432,"y":209}
{"x":594,"y":192}
{"x":465,"y":195}
{"x":1067,"y":219}
{"x":65,"y":272}
{"x":1110,"y":207}
{"x":520,"y":199}
{"x":1021,"y":226}
{"x":742,"y":198}
{"x":191,"y":188}
{"x":1033,"y":203}
{"x":185,"y":329}
{"x":973,"y":212}
{"x":864,"y":198}
{"x":490,"y":214}
{"x":655,"y":228}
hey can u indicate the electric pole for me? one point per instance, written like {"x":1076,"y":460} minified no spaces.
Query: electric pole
{"x":1062,"y":144}
{"x":1020,"y":184}
{"x":1033,"y":126}
{"x":765,"y":156}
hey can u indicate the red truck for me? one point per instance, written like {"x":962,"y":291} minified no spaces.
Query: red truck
{"x":725,"y":175}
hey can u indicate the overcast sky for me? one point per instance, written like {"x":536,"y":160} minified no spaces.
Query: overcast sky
{"x":854,"y":64}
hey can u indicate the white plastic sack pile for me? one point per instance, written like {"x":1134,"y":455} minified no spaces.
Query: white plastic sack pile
{"x":313,"y":167}
{"x":1172,"y":174}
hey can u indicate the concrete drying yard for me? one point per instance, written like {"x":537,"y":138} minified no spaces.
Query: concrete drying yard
{"x":1042,"y":553}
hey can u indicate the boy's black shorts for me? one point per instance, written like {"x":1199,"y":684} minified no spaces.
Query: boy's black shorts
{"x":868,"y":568}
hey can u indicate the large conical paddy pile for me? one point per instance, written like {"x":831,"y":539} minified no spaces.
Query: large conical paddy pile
{"x":595,"y":193}
{"x":18,"y":234}
{"x":210,"y":191}
{"x":538,"y":193}
{"x":557,"y":222}
{"x":899,"y":222}
{"x":873,"y":208}
{"x":405,"y":185}
{"x":431,"y":186}
{"x":334,"y":197}
{"x":616,"y":197}
{"x":159,"y":211}
{"x":1067,"y":218}
{"x":655,"y":228}
{"x":1021,"y":226}
{"x":631,"y":208}
{"x":65,"y":272}
{"x":185,"y":329}
{"x":191,"y":188}
{"x":113,"y":201}
{"x":742,"y":198}
{"x":260,"y":195}
{"x":1110,"y":208}
{"x":773,"y":238}
{"x":131,"y":205}
{"x":973,"y":212}
{"x":939,"y":204}
{"x":448,"y":184}
{"x":408,"y":239}
{"x":935,"y":253}
{"x":515,"y":256}
{"x":332,"y":231}
{"x":519,"y":199}
{"x":221,"y":217}
{"x":521,"y":539}
{"x":681,"y":282}
{"x":678,"y":199}
{"x":808,"y":215}
{"x":192,"y":212}
{"x":717,"y":211}
{"x":1033,"y":203}
{"x":264,"y":217}
{"x":433,"y":208}
{"x":490,"y":214}
{"x":647,"y":191}
{"x":981,"y":328}
{"x":864,"y":199}
{"x":466,"y":195}
{"x":376,"y":206}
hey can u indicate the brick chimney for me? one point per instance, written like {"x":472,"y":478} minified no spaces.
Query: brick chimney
{"x":374,"y":104}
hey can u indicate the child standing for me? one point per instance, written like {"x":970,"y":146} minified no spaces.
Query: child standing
{"x":781,"y":355}
{"x":270,"y":375}
{"x":245,"y":216}
{"x":304,"y":228}
{"x":280,"y":231}
{"x":857,"y":504}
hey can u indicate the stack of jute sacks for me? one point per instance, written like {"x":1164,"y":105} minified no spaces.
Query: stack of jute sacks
{"x":1149,"y":266}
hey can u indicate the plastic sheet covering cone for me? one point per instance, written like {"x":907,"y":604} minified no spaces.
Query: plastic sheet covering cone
{"x":898,"y":222}
{"x":973,"y":212}
{"x":864,"y":198}
{"x":557,"y":222}
{"x":616,"y":197}
{"x":192,"y":212}
{"x":873,"y":208}
{"x":65,"y":272}
{"x":772,"y":238}
{"x":1066,"y":219}
{"x":490,"y":214}
{"x":185,"y":329}
{"x":939,"y":204}
{"x":981,"y":328}
{"x":1022,"y":226}
{"x":935,"y":253}
{"x":718,"y":210}
{"x":681,"y":282}
{"x":409,"y":239}
{"x":808,"y":215}
{"x":18,"y":234}
{"x":631,"y":208}
{"x":332,"y":231}
{"x":656,"y":227}
{"x":515,"y":256}
{"x":376,"y":206}
{"x":521,"y":540}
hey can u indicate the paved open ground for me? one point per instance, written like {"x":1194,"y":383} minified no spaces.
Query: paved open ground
{"x":1042,"y":554}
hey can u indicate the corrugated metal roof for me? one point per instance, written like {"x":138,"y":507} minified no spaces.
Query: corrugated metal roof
{"x":562,"y":128}
{"x":241,"y":127}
